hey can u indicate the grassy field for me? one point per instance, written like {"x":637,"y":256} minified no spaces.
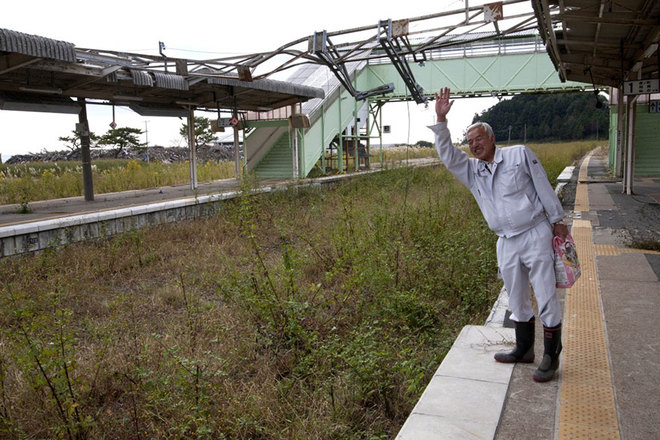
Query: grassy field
{"x":556,"y":157}
{"x":308,"y":313}
{"x":22,"y":184}
{"x":43,"y":181}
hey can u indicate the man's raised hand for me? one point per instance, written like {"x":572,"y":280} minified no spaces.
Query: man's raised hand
{"x":442,"y":104}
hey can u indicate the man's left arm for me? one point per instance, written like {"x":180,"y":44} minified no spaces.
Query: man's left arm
{"x":546,"y":194}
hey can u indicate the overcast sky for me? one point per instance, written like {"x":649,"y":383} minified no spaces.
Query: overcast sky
{"x":201,"y":29}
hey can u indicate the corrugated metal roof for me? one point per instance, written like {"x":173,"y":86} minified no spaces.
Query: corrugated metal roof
{"x":169,"y":81}
{"x":36,"y":46}
{"x":270,"y":85}
{"x":104,"y":75}
{"x":141,"y":78}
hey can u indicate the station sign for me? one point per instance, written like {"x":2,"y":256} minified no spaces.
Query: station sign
{"x":225,"y":122}
{"x":641,"y":87}
{"x":654,"y":106}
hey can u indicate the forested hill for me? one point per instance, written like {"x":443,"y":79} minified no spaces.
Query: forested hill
{"x":551,"y":117}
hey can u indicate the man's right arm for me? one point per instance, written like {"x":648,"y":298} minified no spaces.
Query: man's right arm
{"x":455,"y":160}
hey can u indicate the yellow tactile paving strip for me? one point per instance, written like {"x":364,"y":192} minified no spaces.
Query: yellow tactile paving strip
{"x":587,"y":408}
{"x":610,"y":249}
{"x":581,"y":192}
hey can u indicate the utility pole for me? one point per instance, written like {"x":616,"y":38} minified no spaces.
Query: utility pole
{"x":83,"y":130}
{"x":146,"y":138}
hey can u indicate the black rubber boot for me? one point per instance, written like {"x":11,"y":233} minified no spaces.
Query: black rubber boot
{"x":552,"y":349}
{"x":524,"y":350}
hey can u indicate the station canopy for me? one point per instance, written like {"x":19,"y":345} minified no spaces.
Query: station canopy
{"x":43,"y":74}
{"x":604,"y":42}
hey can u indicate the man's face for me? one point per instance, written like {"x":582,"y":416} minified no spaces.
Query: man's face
{"x":481,"y":145}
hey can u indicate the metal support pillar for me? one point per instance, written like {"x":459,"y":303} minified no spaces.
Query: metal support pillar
{"x":380,"y":134}
{"x":630,"y":145}
{"x":294,"y":147}
{"x":300,"y":132}
{"x":244,"y":169}
{"x":323,"y":138}
{"x":83,"y":131}
{"x":376,"y":110}
{"x":356,"y":137}
{"x":340,"y":147}
{"x":237,"y":149}
{"x":192,"y":154}
{"x":368,"y":135}
{"x":620,"y":133}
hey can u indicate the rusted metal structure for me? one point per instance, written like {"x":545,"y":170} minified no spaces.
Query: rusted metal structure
{"x":37,"y":73}
{"x":42,"y":74}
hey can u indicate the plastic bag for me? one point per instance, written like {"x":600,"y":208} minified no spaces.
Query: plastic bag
{"x":567,"y":266}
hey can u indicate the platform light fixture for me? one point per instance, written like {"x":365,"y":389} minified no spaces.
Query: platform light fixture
{"x":127,"y":98}
{"x":47,"y":90}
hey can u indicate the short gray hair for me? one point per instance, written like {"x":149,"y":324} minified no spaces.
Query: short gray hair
{"x":487,"y":128}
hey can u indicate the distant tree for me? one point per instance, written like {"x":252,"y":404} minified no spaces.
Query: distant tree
{"x":73,"y":142}
{"x":122,"y":138}
{"x":424,"y":144}
{"x":548,"y":117}
{"x":202,"y":131}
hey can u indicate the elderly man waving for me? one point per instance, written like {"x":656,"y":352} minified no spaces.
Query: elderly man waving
{"x":520,"y":206}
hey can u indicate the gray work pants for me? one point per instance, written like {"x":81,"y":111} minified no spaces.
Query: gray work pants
{"x":528,"y":258}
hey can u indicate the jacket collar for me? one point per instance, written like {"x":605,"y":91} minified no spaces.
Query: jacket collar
{"x":497,"y":158}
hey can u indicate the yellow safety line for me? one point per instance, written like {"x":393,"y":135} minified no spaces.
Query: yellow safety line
{"x":587,"y":409}
{"x":606,"y":249}
{"x":639,"y":251}
{"x":610,"y":249}
{"x":581,"y":192}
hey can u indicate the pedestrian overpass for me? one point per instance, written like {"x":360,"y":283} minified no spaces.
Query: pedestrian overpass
{"x":278,"y":146}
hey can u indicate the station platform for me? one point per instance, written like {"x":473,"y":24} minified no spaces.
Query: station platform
{"x":44,"y":224}
{"x":59,"y":208}
{"x":607,"y":385}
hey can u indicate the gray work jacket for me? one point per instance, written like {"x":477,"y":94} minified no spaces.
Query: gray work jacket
{"x":514,"y":195}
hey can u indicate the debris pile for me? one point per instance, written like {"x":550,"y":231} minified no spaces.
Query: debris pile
{"x":205,"y":153}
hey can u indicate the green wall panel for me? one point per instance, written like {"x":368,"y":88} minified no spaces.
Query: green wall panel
{"x":647,"y":143}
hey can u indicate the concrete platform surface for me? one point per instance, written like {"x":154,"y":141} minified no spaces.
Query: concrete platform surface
{"x":628,"y":282}
{"x":464,"y":397}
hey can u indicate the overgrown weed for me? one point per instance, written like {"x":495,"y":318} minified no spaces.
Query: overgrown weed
{"x":302,"y":313}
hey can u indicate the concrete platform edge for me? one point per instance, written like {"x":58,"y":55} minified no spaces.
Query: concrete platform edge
{"x":465,"y":397}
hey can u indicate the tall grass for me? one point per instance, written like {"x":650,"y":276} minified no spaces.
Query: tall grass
{"x":554,"y":156}
{"x":39,"y":181}
{"x":557,"y":156}
{"x":44,"y":181}
{"x":401,"y":153}
{"x":306,"y":313}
